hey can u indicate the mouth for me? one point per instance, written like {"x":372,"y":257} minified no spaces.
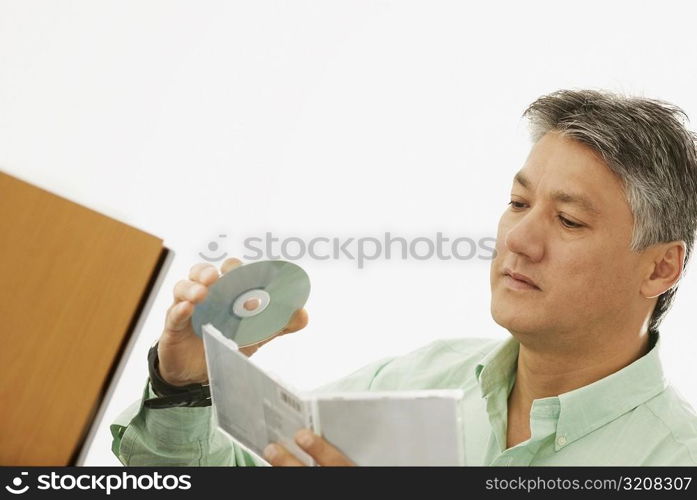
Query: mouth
{"x":519,"y":281}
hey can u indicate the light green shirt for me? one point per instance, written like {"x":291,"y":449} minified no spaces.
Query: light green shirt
{"x":632,"y":417}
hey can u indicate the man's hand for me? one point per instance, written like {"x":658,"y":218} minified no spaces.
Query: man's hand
{"x":315,"y":446}
{"x":180,"y":351}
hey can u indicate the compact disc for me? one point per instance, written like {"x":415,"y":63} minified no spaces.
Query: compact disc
{"x":253,"y":302}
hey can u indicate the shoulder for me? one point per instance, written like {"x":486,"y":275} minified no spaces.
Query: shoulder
{"x":448,"y":350}
{"x":455,"y":348}
{"x":443,"y":363}
{"x":678,"y":421}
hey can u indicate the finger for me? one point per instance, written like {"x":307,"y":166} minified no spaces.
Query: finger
{"x":323,"y":452}
{"x":178,"y":316}
{"x":278,"y":456}
{"x":297,"y":322}
{"x":230,"y":264}
{"x":203,"y":273}
{"x":249,"y":350}
{"x":190,"y":291}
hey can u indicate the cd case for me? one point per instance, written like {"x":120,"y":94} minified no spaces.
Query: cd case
{"x":388,"y":428}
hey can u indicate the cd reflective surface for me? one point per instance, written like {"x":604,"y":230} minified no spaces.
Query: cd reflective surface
{"x":253,"y":302}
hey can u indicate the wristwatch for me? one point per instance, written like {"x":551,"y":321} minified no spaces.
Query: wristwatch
{"x":172,"y":396}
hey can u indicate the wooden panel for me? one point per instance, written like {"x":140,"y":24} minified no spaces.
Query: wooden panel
{"x":71,"y":281}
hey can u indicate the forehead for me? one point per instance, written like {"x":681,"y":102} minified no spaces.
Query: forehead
{"x":570,"y":172}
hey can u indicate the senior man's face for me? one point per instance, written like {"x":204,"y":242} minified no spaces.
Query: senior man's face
{"x":568,"y":231}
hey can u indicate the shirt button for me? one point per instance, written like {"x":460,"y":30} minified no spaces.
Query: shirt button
{"x":561,"y":440}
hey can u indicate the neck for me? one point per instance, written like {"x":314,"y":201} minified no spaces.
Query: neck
{"x":544,"y":373}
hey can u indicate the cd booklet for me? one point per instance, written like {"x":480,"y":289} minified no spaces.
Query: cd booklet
{"x":389,"y":428}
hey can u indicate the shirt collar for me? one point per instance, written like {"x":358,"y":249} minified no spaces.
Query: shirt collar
{"x":586,"y":408}
{"x":497,"y":367}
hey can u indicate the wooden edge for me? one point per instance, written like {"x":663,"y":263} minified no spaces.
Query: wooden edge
{"x":133,"y":332}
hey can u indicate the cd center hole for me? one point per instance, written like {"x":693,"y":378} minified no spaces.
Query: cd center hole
{"x":251,"y":304}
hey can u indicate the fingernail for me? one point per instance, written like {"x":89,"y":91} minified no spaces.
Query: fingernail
{"x":304,"y":438}
{"x":270,"y":452}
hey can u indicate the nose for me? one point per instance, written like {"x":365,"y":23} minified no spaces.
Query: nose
{"x":526,"y":235}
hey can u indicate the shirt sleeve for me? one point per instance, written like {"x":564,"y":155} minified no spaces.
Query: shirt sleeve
{"x":190,"y":436}
{"x":173,"y":437}
{"x":362,"y":379}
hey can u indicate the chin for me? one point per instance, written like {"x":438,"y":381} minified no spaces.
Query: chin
{"x":513,"y":321}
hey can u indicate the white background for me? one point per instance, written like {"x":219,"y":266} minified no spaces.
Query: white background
{"x":321,"y":118}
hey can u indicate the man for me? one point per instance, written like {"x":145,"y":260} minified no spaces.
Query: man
{"x":600,"y":226}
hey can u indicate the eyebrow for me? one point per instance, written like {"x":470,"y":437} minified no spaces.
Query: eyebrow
{"x":562,"y":196}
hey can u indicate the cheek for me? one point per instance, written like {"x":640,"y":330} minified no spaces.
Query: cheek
{"x":592,"y":278}
{"x":500,"y":246}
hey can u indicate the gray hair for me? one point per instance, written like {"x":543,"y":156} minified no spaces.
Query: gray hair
{"x":645,"y":142}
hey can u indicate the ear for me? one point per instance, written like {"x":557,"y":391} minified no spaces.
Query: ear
{"x":665,"y":265}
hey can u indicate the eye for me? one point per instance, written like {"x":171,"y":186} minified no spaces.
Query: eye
{"x":517,"y":205}
{"x":568,"y":223}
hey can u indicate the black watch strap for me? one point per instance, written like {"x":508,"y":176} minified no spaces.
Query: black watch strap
{"x":172,"y":396}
